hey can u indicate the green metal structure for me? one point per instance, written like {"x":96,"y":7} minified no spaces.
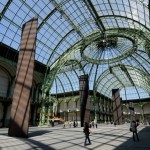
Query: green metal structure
{"x":107,"y":39}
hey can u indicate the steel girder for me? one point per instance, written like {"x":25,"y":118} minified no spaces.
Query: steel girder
{"x":144,"y":82}
{"x":56,"y":66}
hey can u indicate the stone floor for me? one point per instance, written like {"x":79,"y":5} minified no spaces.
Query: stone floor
{"x":105,"y":137}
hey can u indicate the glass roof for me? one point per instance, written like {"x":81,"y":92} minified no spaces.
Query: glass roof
{"x":107,"y":39}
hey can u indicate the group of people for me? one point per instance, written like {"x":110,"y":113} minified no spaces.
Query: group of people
{"x":70,"y":123}
{"x":93,"y":123}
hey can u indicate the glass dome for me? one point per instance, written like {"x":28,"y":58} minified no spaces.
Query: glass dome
{"x":108,"y":40}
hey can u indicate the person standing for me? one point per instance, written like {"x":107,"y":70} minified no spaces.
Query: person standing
{"x":93,"y":124}
{"x":86,"y":131}
{"x":70,"y":124}
{"x":96,"y":125}
{"x":77,"y":124}
{"x":64,"y":125}
{"x":134,"y":130}
{"x":74,"y":124}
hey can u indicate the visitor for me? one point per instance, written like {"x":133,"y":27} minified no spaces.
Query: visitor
{"x":96,"y":125}
{"x":92,"y":124}
{"x":77,"y":124}
{"x":64,"y":125}
{"x":134,"y":125}
{"x":74,"y":124}
{"x":86,"y":131}
{"x":70,"y":124}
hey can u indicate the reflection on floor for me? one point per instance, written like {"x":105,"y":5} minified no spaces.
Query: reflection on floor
{"x":105,"y":137}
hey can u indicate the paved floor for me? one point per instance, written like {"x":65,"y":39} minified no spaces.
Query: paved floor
{"x":105,"y":137}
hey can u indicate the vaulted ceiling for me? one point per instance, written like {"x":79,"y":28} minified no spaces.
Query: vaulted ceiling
{"x":107,"y":39}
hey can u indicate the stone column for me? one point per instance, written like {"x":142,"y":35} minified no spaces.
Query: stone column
{"x":84,"y":103}
{"x":42,"y":114}
{"x":49,"y":112}
{"x":64,"y":115}
{"x":19,"y":119}
{"x":5,"y":108}
{"x":32,"y":115}
{"x":67,"y":111}
{"x":117,"y":106}
{"x":76,"y":110}
{"x":132,"y":112}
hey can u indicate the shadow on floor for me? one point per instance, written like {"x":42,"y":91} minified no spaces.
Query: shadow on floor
{"x":38,"y":145}
{"x":37,"y":133}
{"x":142,"y":144}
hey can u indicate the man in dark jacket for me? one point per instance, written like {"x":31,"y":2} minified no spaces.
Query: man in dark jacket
{"x":134,"y":125}
{"x":86,"y":131}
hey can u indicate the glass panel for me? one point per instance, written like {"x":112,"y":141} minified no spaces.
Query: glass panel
{"x":63,"y":24}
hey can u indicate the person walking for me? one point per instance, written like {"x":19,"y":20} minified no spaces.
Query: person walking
{"x":86,"y":131}
{"x":134,"y":130}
